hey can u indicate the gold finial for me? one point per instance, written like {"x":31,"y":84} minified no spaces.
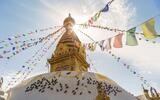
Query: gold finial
{"x":69,"y":21}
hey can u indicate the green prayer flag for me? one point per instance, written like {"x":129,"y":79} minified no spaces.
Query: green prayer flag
{"x":131,"y":38}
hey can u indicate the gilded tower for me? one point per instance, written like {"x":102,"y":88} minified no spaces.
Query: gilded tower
{"x":69,"y":54}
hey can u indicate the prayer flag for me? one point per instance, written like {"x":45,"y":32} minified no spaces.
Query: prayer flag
{"x":92,"y":46}
{"x":9,"y":38}
{"x":105,"y":9}
{"x":13,"y":48}
{"x":131,"y":38}
{"x":149,"y":29}
{"x":118,"y":41}
{"x":90,"y":21}
{"x":107,"y":44}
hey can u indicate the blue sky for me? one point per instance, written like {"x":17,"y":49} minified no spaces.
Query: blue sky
{"x":22,"y":16}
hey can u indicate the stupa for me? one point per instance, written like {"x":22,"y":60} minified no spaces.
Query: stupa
{"x":69,"y":78}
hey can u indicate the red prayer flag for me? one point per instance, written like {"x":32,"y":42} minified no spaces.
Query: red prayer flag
{"x":118,"y":41}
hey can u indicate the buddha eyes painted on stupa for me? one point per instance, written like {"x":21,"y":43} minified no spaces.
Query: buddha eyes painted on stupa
{"x":63,"y":68}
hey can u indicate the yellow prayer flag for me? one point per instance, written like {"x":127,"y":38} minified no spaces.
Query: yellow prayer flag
{"x":96,"y":16}
{"x":149,"y":29}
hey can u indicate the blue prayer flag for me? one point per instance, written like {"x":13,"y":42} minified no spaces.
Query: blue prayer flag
{"x":105,"y":9}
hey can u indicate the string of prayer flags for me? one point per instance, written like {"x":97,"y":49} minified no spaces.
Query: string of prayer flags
{"x":148,"y":29}
{"x":90,"y":46}
{"x":109,"y":29}
{"x":117,"y":30}
{"x":17,"y":77}
{"x":131,"y":38}
{"x":19,"y":48}
{"x":118,"y":41}
{"x":147,"y":40}
{"x":97,"y":15}
{"x":103,"y":44}
{"x":109,"y":3}
{"x":33,"y":61}
{"x":102,"y":27}
{"x":129,"y":68}
{"x":38,"y":57}
{"x":27,"y":34}
{"x":17,"y":44}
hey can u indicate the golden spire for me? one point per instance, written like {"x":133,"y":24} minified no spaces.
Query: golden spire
{"x":69,"y":54}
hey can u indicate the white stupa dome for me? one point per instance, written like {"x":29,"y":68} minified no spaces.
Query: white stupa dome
{"x":69,"y":85}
